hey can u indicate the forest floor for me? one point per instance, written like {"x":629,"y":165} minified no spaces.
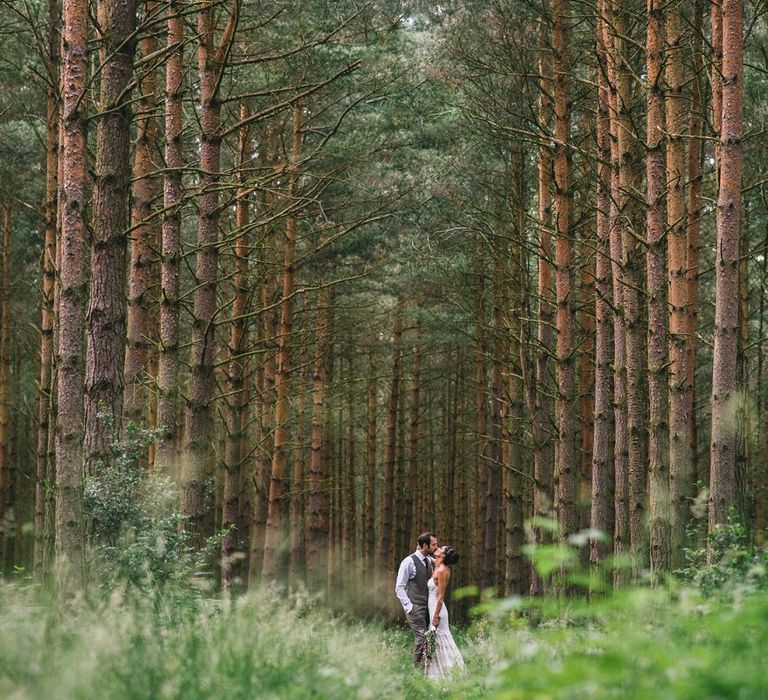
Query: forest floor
{"x":638,"y":643}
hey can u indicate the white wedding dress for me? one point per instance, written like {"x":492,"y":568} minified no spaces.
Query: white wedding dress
{"x":446,"y":659}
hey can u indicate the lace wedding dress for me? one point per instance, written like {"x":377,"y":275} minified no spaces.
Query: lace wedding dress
{"x":446,"y":660}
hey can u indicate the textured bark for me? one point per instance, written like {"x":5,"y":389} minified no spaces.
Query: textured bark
{"x":197,"y":426}
{"x":723,"y":476}
{"x":566,"y":463}
{"x":105,"y":320}
{"x":347,"y":481}
{"x":276,"y":513}
{"x":659,"y":503}
{"x":168,"y":361}
{"x":143,"y":238}
{"x":680,"y":465}
{"x":543,"y":452}
{"x":621,"y":445}
{"x":45,"y":374}
{"x":386,"y":527}
{"x":693,"y":232}
{"x":601,"y":514}
{"x":232,"y":545}
{"x":69,"y":522}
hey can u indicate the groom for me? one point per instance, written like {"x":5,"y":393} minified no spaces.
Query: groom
{"x":411,"y":590}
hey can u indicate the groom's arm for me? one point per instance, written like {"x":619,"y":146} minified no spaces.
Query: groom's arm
{"x":403,"y":576}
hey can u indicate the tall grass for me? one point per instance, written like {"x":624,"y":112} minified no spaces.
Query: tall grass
{"x":636,"y":644}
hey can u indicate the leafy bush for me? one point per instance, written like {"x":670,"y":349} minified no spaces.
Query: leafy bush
{"x":736,"y":566}
{"x":139,"y":538}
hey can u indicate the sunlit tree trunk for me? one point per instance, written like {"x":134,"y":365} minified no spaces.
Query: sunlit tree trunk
{"x":413,"y":489}
{"x":723,"y":476}
{"x":298,"y":478}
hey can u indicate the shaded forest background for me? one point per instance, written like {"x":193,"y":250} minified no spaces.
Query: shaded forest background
{"x":289,"y":283}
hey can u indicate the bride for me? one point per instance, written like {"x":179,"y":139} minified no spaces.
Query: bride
{"x":446,"y":657}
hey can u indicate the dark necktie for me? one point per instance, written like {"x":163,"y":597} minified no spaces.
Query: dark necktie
{"x":428,"y":565}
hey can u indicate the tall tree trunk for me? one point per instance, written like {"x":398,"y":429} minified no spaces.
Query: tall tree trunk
{"x":298,"y":478}
{"x":543,"y":452}
{"x":275,"y":527}
{"x":413,"y":480}
{"x":69,"y":524}
{"x":723,"y":478}
{"x":621,"y":445}
{"x":105,"y":354}
{"x":693,"y":232}
{"x":45,"y":375}
{"x":481,"y":418}
{"x":143,"y":236}
{"x":386,"y":528}
{"x":168,"y":361}
{"x":680,"y":466}
{"x":5,"y":365}
{"x":370,"y":462}
{"x":233,"y":542}
{"x":659,"y":503}
{"x":317,"y":515}
{"x":565,"y":454}
{"x":601,"y":514}
{"x":197,"y":425}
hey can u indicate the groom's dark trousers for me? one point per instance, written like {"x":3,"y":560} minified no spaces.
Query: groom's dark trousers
{"x":418,"y":618}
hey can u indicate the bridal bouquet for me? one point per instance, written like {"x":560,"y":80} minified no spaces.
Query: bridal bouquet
{"x":430,"y":643}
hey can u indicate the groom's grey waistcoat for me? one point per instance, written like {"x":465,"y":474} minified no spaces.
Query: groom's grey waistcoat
{"x":416,"y":588}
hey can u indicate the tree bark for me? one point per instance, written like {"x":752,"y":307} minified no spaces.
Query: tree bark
{"x":45,"y":374}
{"x":168,"y":361}
{"x":5,"y":365}
{"x":723,"y":478}
{"x":601,"y":514}
{"x":105,"y":330}
{"x":659,"y":503}
{"x":680,"y":465}
{"x":197,"y":425}
{"x":69,"y":523}
{"x":276,"y":525}
{"x":386,"y":550}
{"x":565,"y":454}
{"x":143,"y":238}
{"x":232,"y":545}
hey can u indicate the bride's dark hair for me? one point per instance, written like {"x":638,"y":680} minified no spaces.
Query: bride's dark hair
{"x":450,"y":554}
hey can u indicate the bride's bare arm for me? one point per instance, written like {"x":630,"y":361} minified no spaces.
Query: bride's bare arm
{"x":442,"y":583}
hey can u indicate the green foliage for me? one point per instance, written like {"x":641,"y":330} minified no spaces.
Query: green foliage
{"x":735,"y":566}
{"x":140,"y":541}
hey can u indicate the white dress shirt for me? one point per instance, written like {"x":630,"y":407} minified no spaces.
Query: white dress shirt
{"x":405,"y":573}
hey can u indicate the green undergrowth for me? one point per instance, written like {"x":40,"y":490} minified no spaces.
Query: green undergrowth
{"x":641,"y":643}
